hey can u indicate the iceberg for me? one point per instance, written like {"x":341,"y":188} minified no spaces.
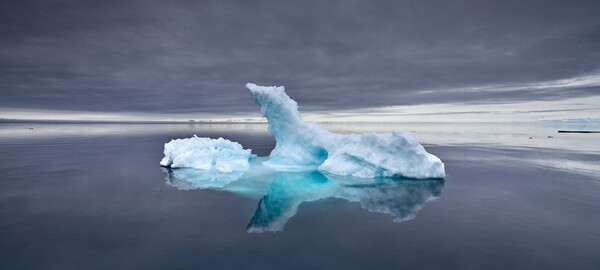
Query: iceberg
{"x":216,"y":156}
{"x":300,"y":145}
{"x":308,"y":164}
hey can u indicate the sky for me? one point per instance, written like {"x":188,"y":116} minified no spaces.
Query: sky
{"x":340,"y":60}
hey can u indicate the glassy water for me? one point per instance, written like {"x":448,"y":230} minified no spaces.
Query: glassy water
{"x":279,"y":194}
{"x":94,"y":197}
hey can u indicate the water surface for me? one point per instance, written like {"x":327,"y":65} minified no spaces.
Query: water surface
{"x":94,"y":197}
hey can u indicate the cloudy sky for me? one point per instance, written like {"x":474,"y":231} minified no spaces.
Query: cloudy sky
{"x":388,"y":60}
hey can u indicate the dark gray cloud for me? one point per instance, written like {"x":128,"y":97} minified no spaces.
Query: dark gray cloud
{"x":196,"y":56}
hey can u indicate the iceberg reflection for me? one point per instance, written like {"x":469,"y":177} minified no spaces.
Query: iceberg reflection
{"x":281,"y":193}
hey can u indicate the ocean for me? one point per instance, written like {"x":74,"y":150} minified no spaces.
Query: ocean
{"x":93,"y":196}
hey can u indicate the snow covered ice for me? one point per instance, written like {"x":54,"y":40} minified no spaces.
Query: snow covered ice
{"x":304,"y":145}
{"x":217,"y":155}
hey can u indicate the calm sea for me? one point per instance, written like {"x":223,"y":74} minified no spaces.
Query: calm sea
{"x":517,"y":196}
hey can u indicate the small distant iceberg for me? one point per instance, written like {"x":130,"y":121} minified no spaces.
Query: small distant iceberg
{"x":302,"y":146}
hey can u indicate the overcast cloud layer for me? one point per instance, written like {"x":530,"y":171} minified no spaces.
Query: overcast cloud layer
{"x":196,"y":56}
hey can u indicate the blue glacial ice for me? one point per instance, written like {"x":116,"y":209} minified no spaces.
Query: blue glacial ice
{"x":307,"y":164}
{"x":304,"y":146}
{"x":301,"y":145}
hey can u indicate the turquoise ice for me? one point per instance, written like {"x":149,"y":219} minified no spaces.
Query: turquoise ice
{"x":378,"y":171}
{"x":301,"y":145}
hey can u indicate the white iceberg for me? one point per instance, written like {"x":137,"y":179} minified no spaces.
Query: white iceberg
{"x":217,"y":155}
{"x":301,"y":145}
{"x":304,"y":146}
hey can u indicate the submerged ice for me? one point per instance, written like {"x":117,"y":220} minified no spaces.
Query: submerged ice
{"x":300,"y":145}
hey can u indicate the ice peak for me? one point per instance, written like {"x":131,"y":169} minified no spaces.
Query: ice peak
{"x":300,"y":144}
